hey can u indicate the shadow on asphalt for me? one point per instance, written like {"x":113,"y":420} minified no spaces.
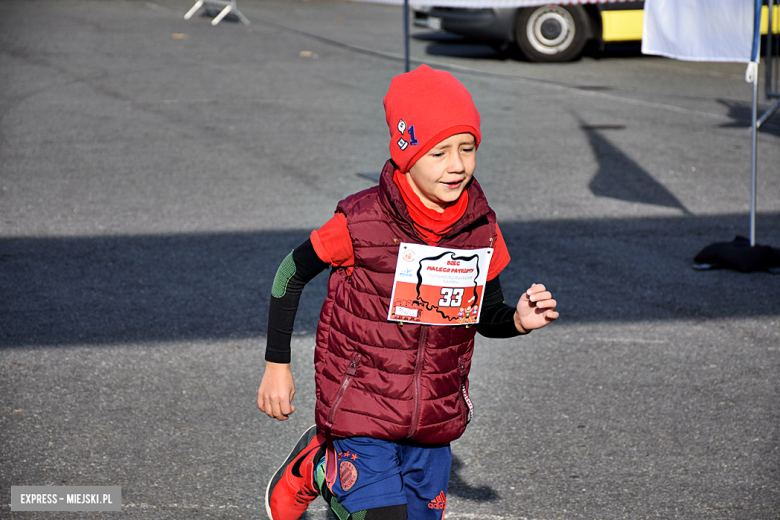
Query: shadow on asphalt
{"x":462,"y":489}
{"x":620,"y":177}
{"x":741,"y":114}
{"x":125,"y":289}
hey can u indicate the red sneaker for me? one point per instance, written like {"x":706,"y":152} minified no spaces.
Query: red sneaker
{"x":291,"y":488}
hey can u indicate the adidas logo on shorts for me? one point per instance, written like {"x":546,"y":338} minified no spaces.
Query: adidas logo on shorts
{"x":440,"y":502}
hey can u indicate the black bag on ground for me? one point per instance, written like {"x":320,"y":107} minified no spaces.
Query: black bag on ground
{"x":739,"y":256}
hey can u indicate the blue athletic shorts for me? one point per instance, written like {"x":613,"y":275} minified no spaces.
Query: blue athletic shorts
{"x":374,"y":473}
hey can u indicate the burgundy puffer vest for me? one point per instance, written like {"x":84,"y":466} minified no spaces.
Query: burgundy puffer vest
{"x":382,"y":379}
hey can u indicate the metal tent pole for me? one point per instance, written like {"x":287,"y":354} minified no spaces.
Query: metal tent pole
{"x":406,"y":35}
{"x":753,"y":162}
{"x":755,"y":57}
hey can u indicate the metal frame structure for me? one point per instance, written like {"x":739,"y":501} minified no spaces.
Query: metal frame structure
{"x":228,"y":6}
{"x":772,"y":57}
{"x":772,"y":51}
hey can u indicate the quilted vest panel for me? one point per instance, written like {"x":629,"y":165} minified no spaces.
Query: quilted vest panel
{"x":383,"y":379}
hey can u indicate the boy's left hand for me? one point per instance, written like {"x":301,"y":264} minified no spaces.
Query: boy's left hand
{"x":535,"y":309}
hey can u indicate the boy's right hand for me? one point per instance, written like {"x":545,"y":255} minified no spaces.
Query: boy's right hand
{"x":277,"y":388}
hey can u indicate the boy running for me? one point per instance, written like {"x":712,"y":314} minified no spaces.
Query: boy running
{"x":392,"y":358}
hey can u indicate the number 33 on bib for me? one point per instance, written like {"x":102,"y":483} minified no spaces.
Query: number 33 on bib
{"x":438,"y":285}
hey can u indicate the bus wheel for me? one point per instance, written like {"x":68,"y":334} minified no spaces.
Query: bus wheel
{"x":552,"y":32}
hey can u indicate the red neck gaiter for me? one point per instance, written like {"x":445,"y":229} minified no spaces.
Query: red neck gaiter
{"x":429,"y":223}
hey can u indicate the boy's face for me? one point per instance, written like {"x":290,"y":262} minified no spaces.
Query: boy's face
{"x":440,"y":176}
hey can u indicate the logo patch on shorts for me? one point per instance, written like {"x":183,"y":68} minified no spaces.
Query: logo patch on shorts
{"x":440,"y":502}
{"x":348,"y":474}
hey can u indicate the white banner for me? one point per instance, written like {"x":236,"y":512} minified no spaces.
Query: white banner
{"x":490,"y":3}
{"x":699,"y":30}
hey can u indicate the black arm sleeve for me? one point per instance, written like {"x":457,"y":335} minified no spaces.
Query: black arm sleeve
{"x":298,"y":269}
{"x":497,"y":318}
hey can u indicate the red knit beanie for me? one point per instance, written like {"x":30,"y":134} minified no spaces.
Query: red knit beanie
{"x":423,"y":108}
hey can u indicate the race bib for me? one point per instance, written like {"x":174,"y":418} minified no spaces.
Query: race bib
{"x":438,"y":285}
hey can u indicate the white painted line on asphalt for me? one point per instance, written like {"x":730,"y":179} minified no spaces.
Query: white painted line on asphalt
{"x":474,"y":516}
{"x":188,"y":507}
{"x":633,"y":340}
{"x":313,"y":508}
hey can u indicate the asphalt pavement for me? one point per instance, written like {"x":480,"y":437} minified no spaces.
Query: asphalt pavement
{"x":155,"y":171}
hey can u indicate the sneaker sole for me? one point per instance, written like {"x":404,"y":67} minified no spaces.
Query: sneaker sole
{"x":303,"y":441}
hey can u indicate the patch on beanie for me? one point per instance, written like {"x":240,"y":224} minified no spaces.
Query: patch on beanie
{"x":403,"y":143}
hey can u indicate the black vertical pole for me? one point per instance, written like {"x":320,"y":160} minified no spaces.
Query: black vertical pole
{"x":406,"y":35}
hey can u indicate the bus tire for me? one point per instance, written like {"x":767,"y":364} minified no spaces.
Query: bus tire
{"x":551,"y":33}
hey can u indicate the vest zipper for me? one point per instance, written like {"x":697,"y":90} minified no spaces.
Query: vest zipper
{"x":417,"y":376}
{"x":350,"y":373}
{"x":463,"y":392}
